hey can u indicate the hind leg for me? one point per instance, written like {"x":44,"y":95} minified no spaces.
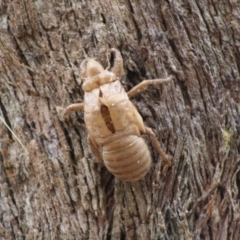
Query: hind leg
{"x":157,"y":146}
{"x":95,"y":149}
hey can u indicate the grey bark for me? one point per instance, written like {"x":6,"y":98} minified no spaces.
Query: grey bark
{"x":52,"y":187}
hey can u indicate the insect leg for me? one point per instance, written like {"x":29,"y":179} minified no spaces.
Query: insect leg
{"x":95,"y":148}
{"x":145,"y":83}
{"x":157,"y":146}
{"x":117,"y":67}
{"x":73,"y":107}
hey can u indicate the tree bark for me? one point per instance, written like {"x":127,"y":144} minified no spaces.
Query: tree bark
{"x":51,"y":186}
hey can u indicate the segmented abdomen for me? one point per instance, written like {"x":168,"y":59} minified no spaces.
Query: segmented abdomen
{"x":128,"y":158}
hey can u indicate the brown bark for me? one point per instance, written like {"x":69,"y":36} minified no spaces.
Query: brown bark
{"x":54,"y":189}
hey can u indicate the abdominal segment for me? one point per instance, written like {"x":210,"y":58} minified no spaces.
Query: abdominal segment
{"x":128,"y":158}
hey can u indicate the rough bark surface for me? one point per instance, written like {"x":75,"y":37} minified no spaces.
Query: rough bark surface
{"x":52,"y":188}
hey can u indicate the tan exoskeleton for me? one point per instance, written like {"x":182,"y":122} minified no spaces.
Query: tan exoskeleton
{"x":112,"y":121}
